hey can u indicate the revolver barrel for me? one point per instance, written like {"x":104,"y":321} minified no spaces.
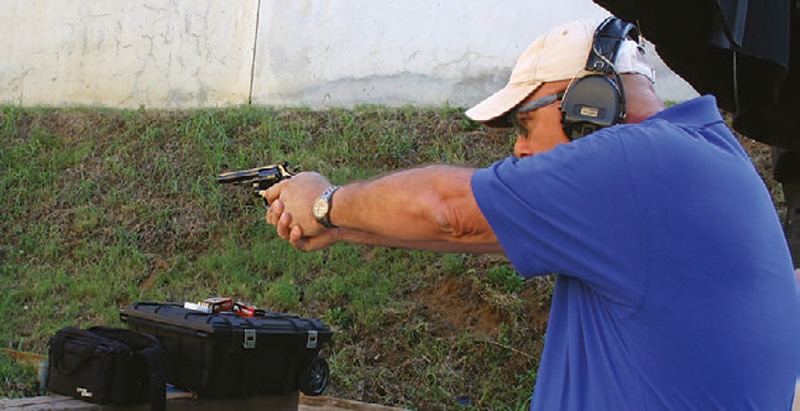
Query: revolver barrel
{"x":259,"y":178}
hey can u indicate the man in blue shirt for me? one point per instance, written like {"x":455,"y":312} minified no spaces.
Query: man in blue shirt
{"x":675,"y":286}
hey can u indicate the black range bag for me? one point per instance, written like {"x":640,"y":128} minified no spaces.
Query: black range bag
{"x":106,"y":365}
{"x":224,"y":355}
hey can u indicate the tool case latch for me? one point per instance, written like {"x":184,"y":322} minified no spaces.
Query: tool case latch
{"x":312,"y":339}
{"x":249,"y":338}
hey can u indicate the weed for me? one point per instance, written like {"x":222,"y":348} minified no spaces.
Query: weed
{"x":504,"y":278}
{"x":338,"y":317}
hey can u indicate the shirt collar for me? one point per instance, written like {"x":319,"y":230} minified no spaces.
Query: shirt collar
{"x":700,"y":111}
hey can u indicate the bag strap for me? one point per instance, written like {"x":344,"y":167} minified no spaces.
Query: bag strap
{"x":65,"y":334}
{"x":149,"y":348}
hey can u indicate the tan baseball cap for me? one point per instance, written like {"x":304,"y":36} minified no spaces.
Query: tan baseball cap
{"x":560,"y":54}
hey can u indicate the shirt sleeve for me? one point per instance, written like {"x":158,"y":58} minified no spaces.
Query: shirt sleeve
{"x":572,"y":210}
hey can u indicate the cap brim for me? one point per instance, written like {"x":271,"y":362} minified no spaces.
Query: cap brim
{"x":491,"y":112}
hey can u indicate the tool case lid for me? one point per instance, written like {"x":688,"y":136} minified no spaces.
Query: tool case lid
{"x":174,"y":314}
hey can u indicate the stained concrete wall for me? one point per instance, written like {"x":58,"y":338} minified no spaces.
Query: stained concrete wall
{"x":316,"y":53}
{"x":159,"y":53}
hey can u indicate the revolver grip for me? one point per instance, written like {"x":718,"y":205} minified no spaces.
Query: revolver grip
{"x":266,"y":203}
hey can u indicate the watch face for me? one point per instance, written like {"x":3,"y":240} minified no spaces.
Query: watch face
{"x":320,"y":208}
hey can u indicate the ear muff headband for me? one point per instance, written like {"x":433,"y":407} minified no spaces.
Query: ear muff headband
{"x":595,"y":101}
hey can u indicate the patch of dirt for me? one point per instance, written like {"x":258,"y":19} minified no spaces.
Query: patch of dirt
{"x":457,"y":304}
{"x":159,"y":265}
{"x":454,"y":305}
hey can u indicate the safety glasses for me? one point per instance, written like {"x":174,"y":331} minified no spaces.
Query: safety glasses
{"x":533,"y":105}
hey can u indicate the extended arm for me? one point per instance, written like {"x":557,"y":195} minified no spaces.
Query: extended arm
{"x":430,"y":208}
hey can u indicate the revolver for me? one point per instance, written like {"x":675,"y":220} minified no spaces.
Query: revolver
{"x":259,"y":178}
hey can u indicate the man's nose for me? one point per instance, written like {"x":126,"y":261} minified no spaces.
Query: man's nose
{"x":522,"y":148}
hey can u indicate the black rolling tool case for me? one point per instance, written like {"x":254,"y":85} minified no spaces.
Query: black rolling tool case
{"x":224,"y":355}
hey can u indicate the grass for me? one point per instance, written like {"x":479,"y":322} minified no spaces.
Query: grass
{"x":17,"y":379}
{"x":106,"y":207}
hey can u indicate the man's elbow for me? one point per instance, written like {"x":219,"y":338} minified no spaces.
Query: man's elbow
{"x":454,"y":225}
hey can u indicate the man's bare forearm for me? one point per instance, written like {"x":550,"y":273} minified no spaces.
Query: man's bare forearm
{"x":426,"y":205}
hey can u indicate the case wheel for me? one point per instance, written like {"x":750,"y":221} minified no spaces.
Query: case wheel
{"x":314,"y":378}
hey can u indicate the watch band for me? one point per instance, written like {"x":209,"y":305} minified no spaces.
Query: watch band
{"x":327,"y":196}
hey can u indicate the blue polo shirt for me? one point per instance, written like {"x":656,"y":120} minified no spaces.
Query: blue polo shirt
{"x":675,"y":286}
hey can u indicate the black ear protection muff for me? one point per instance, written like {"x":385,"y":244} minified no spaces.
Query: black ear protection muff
{"x":596,"y":101}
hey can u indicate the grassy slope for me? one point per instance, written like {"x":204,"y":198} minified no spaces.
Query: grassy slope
{"x":103,"y":208}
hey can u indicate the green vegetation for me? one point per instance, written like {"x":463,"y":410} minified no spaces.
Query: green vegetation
{"x":17,"y":379}
{"x":103,"y":208}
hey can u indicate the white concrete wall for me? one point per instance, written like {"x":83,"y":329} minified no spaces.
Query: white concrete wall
{"x":316,"y":53}
{"x":159,"y":53}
